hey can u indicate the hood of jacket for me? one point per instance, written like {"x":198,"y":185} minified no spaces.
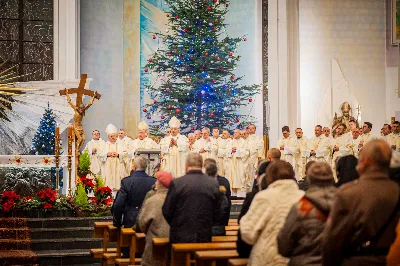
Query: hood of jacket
{"x":321,"y":197}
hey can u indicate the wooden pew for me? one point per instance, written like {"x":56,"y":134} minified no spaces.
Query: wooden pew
{"x":232,"y":228}
{"x":161,"y":245}
{"x":100,"y":229}
{"x":181,"y":251}
{"x":135,"y":242}
{"x":113,"y":234}
{"x":214,"y":257}
{"x":232,"y":233}
{"x":160,"y":248}
{"x":238,"y":262}
{"x":233,"y":222}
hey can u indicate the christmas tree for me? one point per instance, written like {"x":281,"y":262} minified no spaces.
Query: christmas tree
{"x":195,"y":67}
{"x":44,"y":141}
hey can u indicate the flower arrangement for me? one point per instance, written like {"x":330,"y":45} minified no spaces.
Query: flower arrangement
{"x":47,"y":197}
{"x":87,"y":184}
{"x":8,"y":199}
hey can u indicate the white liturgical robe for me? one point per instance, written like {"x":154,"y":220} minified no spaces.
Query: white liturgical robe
{"x":301,"y":157}
{"x":353,"y":146}
{"x":114,"y":168}
{"x":251,"y":147}
{"x":321,"y":147}
{"x":143,"y":144}
{"x":210,"y":148}
{"x":222,"y":143}
{"x":95,"y":164}
{"x":236,"y":164}
{"x":290,"y":150}
{"x":342,"y":142}
{"x":174,"y":158}
{"x":259,"y":144}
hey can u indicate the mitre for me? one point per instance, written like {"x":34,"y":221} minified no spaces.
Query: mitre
{"x":174,"y":122}
{"x":111,"y":129}
{"x":143,"y":126}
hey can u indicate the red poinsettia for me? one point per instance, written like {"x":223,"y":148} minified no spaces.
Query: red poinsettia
{"x":87,"y":184}
{"x":8,"y":199}
{"x":47,"y":206}
{"x":48,"y":197}
{"x":108,"y":201}
{"x":103,"y":195}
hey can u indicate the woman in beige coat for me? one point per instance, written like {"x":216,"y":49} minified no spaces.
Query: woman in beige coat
{"x":267,"y":214}
{"x":151,"y":220}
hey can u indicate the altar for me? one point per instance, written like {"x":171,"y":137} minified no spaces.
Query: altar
{"x":28,"y":174}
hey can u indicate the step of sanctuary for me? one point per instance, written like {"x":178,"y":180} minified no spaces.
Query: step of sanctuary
{"x":65,"y":240}
{"x":68,"y":240}
{"x":15,"y":243}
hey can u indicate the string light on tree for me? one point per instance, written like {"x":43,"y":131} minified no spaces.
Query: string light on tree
{"x":196,"y":61}
{"x":43,"y":143}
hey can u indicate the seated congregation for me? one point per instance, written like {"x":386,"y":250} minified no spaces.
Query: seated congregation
{"x":282,"y":222}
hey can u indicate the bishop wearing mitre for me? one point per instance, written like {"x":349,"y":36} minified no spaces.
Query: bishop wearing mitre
{"x":93,"y":148}
{"x":143,"y":142}
{"x":236,"y":164}
{"x":174,"y":150}
{"x":114,"y":157}
{"x":205,"y":145}
{"x":319,"y":147}
{"x":289,"y":148}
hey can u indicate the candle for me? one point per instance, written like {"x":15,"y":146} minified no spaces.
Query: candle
{"x":69,"y":131}
{"x":57,"y":131}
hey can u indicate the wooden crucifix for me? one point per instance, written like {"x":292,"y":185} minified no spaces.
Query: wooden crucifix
{"x":80,"y":109}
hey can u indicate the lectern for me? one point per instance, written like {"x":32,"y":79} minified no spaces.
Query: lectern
{"x":153,"y":157}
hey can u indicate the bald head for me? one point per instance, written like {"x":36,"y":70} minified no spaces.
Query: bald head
{"x":273,"y":155}
{"x":374,"y":156}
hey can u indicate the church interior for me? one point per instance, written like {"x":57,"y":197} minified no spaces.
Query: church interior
{"x":89,"y":86}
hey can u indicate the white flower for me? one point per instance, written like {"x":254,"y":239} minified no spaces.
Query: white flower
{"x":58,"y":200}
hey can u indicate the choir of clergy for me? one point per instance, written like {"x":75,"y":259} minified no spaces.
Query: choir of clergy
{"x":237,"y":156}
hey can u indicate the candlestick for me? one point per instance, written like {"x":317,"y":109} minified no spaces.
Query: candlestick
{"x":57,"y":156}
{"x":70,"y":141}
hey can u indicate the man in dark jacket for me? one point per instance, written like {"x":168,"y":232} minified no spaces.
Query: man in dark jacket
{"x":192,"y":203}
{"x":222,"y":181}
{"x":131,"y":194}
{"x":359,"y":228}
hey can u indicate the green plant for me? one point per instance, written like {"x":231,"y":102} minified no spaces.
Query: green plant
{"x":62,"y":204}
{"x":84,"y":162}
{"x":81,"y":198}
{"x":99,"y":182}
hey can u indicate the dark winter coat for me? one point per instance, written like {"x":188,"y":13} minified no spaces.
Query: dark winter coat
{"x":300,"y":237}
{"x":191,"y":206}
{"x":222,"y":220}
{"x":360,"y":210}
{"x":130,"y":198}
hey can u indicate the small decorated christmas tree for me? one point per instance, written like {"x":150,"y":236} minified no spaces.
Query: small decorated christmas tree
{"x":43,"y":143}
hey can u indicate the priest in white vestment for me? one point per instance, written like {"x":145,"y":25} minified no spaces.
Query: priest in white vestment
{"x":222,"y":143}
{"x":301,"y":158}
{"x":174,"y":150}
{"x":258,"y":141}
{"x":340,"y":147}
{"x":143,"y":142}
{"x":205,"y":146}
{"x":331,"y":140}
{"x":354,"y":142}
{"x":289,"y":148}
{"x":94,"y":147}
{"x":319,"y":147}
{"x":236,"y":164}
{"x":396,"y":137}
{"x":114,"y":157}
{"x":122,"y":137}
{"x":366,"y":136}
{"x":251,"y":146}
{"x":197,"y":134}
{"x":192,"y":140}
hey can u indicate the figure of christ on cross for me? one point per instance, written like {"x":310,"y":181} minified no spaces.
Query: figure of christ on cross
{"x":80,"y":109}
